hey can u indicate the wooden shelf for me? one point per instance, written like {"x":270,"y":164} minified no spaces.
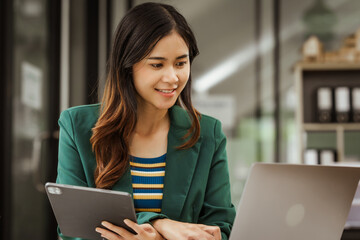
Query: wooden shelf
{"x":331,"y":127}
{"x":328,"y":66}
{"x":308,"y":78}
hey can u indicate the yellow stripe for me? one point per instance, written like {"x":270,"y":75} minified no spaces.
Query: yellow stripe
{"x":148,"y":197}
{"x":144,"y":165}
{"x":148,"y":174}
{"x":136,"y":185}
{"x":148,"y":209}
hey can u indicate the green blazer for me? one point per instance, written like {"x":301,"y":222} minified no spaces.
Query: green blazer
{"x":196,"y":183}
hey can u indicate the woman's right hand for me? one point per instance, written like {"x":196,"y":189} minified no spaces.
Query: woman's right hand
{"x":175,"y":230}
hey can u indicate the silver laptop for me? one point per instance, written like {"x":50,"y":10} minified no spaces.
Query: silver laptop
{"x":295,"y":202}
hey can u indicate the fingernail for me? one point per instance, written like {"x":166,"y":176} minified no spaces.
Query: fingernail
{"x":104,"y":224}
{"x":126,"y":220}
{"x":98,"y":230}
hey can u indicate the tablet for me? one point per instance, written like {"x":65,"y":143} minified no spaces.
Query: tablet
{"x":79,"y":210}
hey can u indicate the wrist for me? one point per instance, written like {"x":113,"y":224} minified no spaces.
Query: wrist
{"x":159,"y":223}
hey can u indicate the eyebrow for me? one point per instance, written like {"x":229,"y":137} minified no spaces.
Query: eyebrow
{"x":162,"y":58}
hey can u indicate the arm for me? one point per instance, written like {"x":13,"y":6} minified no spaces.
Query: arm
{"x":217,"y":208}
{"x":216,"y":215}
{"x":148,"y":217}
{"x":70,"y":169}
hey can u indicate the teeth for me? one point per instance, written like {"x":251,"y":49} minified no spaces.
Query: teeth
{"x":165,"y":91}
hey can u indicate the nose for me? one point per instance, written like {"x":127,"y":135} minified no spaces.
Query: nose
{"x":170,"y":75}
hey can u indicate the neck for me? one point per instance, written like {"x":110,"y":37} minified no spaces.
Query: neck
{"x":150,"y":121}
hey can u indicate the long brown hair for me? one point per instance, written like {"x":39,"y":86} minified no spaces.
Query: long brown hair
{"x":135,"y":37}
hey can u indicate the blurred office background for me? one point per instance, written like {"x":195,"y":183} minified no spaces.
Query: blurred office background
{"x":53,"y":56}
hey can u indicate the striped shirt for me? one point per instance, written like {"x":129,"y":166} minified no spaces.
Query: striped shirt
{"x":148,"y":182}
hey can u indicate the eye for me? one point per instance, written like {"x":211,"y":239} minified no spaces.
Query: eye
{"x":156,"y":65}
{"x":181,"y":64}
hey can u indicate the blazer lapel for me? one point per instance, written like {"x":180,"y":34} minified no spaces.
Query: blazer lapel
{"x":180,"y":166}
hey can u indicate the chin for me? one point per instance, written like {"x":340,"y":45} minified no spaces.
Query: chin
{"x":165,"y":106}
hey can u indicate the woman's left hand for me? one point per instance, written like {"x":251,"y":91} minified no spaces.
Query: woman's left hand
{"x":144,"y":232}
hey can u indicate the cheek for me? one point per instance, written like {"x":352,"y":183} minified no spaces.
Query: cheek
{"x":137,"y":84}
{"x":184,"y":75}
{"x":143,"y":78}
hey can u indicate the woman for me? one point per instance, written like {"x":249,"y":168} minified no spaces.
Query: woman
{"x":147,"y":139}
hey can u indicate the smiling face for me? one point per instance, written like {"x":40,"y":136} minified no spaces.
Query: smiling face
{"x":161,"y":76}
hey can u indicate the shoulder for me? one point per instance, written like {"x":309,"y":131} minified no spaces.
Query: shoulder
{"x":181,"y":118}
{"x":83,"y":112}
{"x":208,"y":122}
{"x":211,"y":129}
{"x":85,"y":116}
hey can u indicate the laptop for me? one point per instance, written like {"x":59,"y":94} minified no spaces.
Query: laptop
{"x":295,"y":202}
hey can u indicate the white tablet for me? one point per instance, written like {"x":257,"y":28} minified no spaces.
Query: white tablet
{"x":79,"y":210}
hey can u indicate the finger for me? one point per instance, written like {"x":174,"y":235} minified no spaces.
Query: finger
{"x":108,"y":234}
{"x":199,"y":233}
{"x":213,"y":230}
{"x":217,"y":233}
{"x":139,"y":230}
{"x":119,"y":230}
{"x":147,"y":227}
{"x":204,"y":236}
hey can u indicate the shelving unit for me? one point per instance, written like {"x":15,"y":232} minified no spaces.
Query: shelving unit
{"x":309,"y":77}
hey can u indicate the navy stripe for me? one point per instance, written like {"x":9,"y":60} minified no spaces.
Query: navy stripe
{"x":148,"y":203}
{"x":148,"y":190}
{"x":148,"y":169}
{"x":147,"y":180}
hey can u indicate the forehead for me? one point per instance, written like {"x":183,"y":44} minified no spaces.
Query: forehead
{"x":172,"y":44}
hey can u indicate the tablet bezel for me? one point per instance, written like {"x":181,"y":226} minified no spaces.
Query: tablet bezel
{"x":79,"y":210}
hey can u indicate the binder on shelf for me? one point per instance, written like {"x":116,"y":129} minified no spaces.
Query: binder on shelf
{"x":355,"y":93}
{"x":327,"y":157}
{"x":342,"y":104}
{"x":311,"y":157}
{"x":320,"y":156}
{"x":324,"y":104}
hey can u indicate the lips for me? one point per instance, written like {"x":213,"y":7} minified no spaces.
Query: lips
{"x":165,"y":90}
